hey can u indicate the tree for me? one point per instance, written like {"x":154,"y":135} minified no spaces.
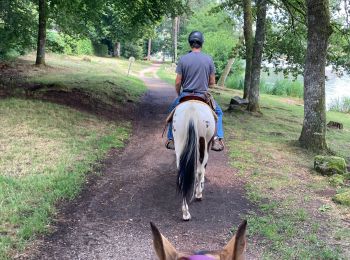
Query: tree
{"x":253,"y":98}
{"x":248,"y":37}
{"x":40,"y":53}
{"x":176,"y":25}
{"x":231,"y":60}
{"x":149,"y":49}
{"x":313,"y":134}
{"x":18,"y":27}
{"x":219,"y":36}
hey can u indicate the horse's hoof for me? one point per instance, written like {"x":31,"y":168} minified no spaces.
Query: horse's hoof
{"x":199,"y":199}
{"x":186,"y":218}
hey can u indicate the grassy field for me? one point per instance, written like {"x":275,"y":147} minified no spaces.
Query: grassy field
{"x":297,"y":218}
{"x":47,"y":149}
{"x":102,"y":78}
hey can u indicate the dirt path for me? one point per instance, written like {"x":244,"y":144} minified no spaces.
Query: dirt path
{"x":110,"y":220}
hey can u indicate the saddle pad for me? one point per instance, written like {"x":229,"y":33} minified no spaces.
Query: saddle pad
{"x":170,"y":116}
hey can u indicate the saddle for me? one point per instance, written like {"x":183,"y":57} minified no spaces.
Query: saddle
{"x":206,"y":98}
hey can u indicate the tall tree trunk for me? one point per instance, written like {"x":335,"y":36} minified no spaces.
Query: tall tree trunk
{"x":248,"y":37}
{"x":253,"y":97}
{"x":40,"y":53}
{"x":116,"y":50}
{"x":149,"y":49}
{"x":313,"y":134}
{"x":223,"y":77}
{"x":175,"y":33}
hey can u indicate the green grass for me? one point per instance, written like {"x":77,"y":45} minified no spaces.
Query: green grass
{"x":45,"y":152}
{"x":278,"y":87}
{"x":167,"y":73}
{"x":296,"y":218}
{"x":102,"y":78}
{"x":265,"y":151}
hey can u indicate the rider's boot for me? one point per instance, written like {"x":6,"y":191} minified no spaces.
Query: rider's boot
{"x":170,"y":144}
{"x":218,"y":144}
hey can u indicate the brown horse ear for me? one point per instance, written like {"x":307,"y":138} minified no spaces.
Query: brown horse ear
{"x":235,"y":248}
{"x":164,"y":249}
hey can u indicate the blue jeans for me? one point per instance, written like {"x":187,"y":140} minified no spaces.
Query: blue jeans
{"x":218,"y":111}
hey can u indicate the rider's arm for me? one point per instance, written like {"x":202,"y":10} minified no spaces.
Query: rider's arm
{"x":212,"y":80}
{"x":178,"y":83}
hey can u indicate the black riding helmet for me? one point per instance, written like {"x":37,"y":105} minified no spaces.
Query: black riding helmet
{"x":196,"y":37}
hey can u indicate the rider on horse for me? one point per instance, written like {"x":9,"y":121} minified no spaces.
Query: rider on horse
{"x":195,"y":73}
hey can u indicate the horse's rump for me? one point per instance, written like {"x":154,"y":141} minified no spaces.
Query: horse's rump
{"x":203,"y":119}
{"x":193,"y":129}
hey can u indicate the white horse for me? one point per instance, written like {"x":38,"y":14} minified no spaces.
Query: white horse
{"x":193,"y":130}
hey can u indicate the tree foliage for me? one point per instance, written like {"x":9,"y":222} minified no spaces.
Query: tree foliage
{"x":98,"y":20}
{"x":219,"y":35}
{"x":18,"y":26}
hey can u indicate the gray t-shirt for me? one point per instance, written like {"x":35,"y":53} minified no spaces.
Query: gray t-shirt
{"x":195,"y":69}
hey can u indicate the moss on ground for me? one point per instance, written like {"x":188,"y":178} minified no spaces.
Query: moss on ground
{"x":343,"y":198}
{"x":329,"y":165}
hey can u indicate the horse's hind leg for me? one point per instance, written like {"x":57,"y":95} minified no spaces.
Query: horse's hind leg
{"x":200,"y":183}
{"x":203,"y":159}
{"x":185,"y":212}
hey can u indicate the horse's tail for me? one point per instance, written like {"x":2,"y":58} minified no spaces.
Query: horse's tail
{"x":188,"y":163}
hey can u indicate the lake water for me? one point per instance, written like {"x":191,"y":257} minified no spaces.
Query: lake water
{"x":336,"y":87}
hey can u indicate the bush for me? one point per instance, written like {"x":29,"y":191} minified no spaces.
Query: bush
{"x":219,"y":46}
{"x":66,"y":44}
{"x":84,"y":47}
{"x":9,"y":54}
{"x":55,"y":42}
{"x":279,"y":88}
{"x":100,"y":49}
{"x":134,"y":49}
{"x":283,"y":88}
{"x":235,"y":81}
{"x":266,"y":87}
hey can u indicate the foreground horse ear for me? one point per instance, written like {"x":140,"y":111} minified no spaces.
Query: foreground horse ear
{"x":235,"y":248}
{"x":163,"y":248}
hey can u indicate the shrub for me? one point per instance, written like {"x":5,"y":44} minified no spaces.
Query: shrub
{"x":84,"y":47}
{"x":283,"y":88}
{"x":134,"y":49}
{"x":9,"y":54}
{"x":100,"y":49}
{"x":279,"y":88}
{"x":66,"y":44}
{"x":55,"y":42}
{"x":295,"y":89}
{"x":266,"y":87}
{"x":235,"y":81}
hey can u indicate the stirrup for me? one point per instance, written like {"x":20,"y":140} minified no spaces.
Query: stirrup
{"x":170,"y":144}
